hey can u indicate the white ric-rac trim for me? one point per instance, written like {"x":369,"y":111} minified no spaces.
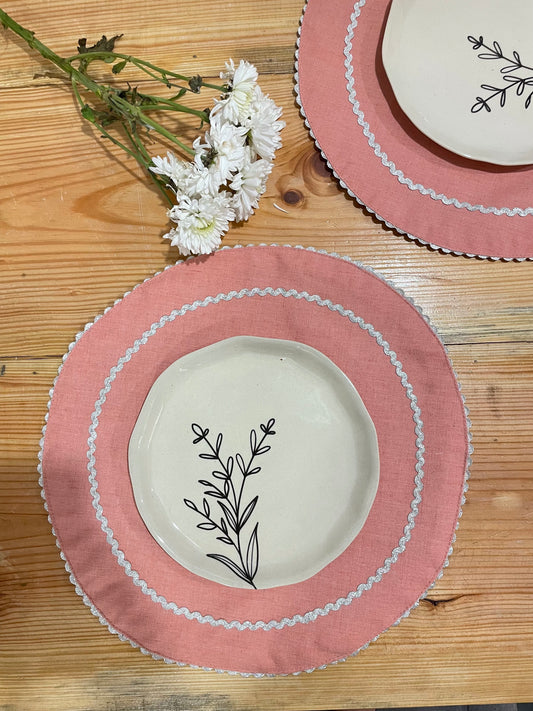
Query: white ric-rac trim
{"x":308,"y":615}
{"x":412,"y":185}
{"x":399,"y":174}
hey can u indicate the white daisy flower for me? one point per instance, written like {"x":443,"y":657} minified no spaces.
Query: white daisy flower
{"x":187,"y":178}
{"x":196,"y":180}
{"x":209,"y":177}
{"x":264,"y":126}
{"x":201,"y":222}
{"x":231,"y":164}
{"x":234,"y":107}
{"x":169,"y":166}
{"x":223,"y":150}
{"x":228,"y":142}
{"x":249,"y":184}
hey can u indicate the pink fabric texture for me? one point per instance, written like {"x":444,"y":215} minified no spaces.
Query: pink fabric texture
{"x":404,"y":177}
{"x":382,"y":343}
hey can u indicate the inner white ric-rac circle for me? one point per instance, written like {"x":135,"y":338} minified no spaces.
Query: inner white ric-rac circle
{"x":418,"y":473}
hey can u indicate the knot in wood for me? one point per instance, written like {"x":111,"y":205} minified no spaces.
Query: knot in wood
{"x":293,"y":197}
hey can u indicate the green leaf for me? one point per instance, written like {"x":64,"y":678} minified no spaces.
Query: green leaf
{"x":98,"y":118}
{"x":88,"y":113}
{"x":119,"y":66}
{"x":177,"y":96}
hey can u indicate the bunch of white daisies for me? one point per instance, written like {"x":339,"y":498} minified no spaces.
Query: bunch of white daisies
{"x":230,"y":167}
{"x":228,"y":175}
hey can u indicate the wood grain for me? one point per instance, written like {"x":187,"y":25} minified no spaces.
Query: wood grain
{"x":79,"y":226}
{"x":107,"y":224}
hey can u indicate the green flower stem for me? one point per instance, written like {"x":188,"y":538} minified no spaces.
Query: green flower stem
{"x":138,"y":146}
{"x":139,"y":153}
{"x":101,"y":91}
{"x":98,"y":125}
{"x":111,"y":56}
{"x":29,"y":37}
{"x":143,"y":65}
{"x":160,"y":184}
{"x":135,"y":114}
{"x":166,"y":104}
{"x":118,"y":108}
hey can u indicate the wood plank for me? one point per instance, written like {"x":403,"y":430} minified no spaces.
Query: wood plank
{"x":73,"y":241}
{"x":264,"y":34}
{"x":455,"y":651}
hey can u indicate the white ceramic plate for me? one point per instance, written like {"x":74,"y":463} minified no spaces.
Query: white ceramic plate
{"x":254,"y":462}
{"x":462,"y":71}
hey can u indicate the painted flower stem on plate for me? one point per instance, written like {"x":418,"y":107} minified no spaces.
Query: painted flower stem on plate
{"x":513,"y":80}
{"x":235,"y":512}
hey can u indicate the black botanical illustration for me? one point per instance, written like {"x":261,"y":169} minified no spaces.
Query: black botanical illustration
{"x":517,"y":77}
{"x":231,"y":519}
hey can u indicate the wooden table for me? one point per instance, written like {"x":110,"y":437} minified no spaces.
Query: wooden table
{"x":80,"y":226}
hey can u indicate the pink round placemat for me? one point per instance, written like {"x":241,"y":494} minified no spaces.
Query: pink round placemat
{"x":384,"y":161}
{"x":399,"y":367}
